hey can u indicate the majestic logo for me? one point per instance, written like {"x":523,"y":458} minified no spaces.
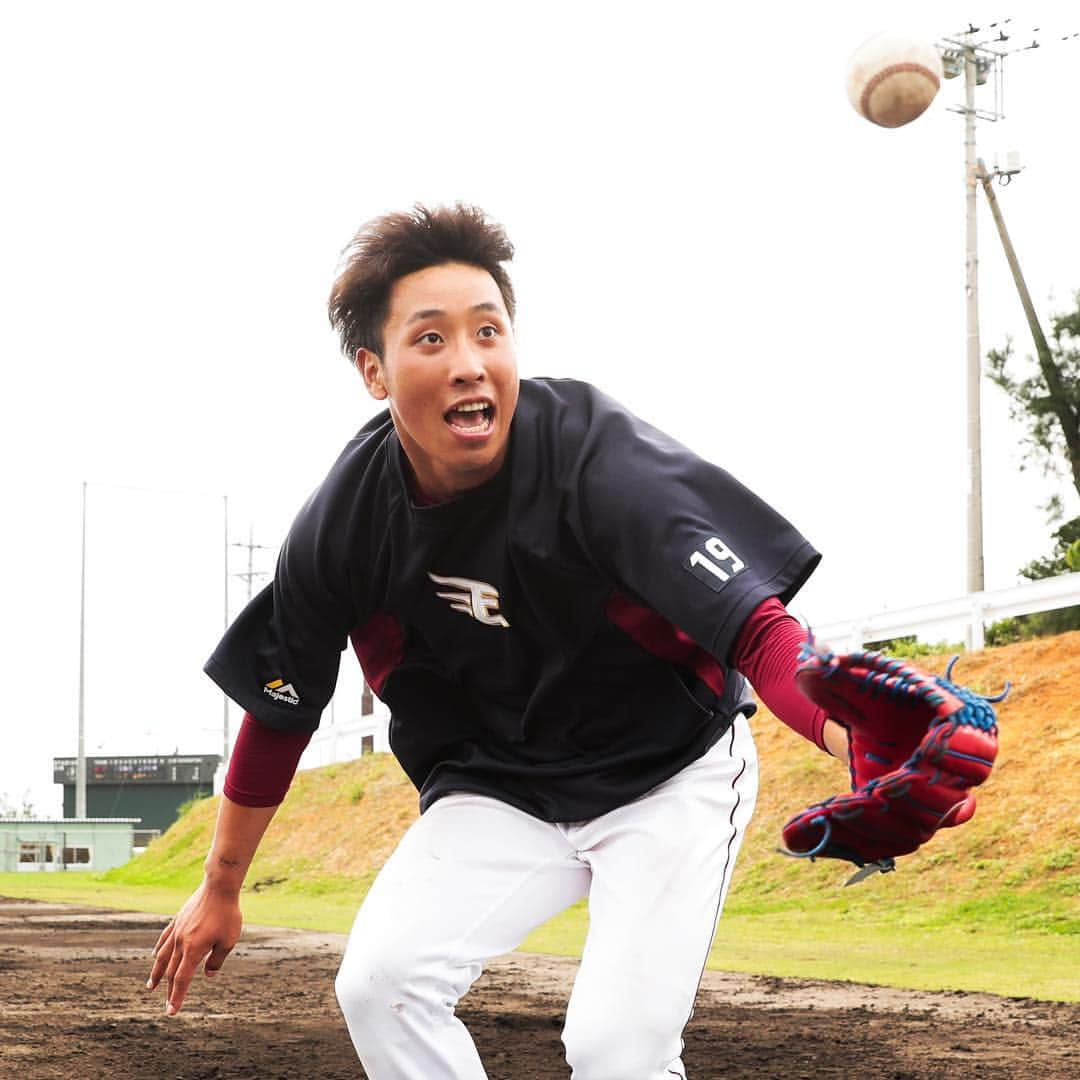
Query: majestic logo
{"x":475,"y":598}
{"x":280,"y":690}
{"x":716,"y":566}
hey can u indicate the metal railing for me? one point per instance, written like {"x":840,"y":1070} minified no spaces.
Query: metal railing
{"x":972,"y":612}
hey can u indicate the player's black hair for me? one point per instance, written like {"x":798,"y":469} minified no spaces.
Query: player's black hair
{"x":394,"y":245}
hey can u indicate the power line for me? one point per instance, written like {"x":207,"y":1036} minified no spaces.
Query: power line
{"x":251,"y":573}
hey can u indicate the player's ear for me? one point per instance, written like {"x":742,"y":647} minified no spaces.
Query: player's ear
{"x":370,"y":367}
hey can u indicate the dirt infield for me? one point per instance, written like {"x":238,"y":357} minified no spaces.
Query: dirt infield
{"x":72,"y":1005}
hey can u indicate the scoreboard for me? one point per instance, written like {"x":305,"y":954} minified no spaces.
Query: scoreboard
{"x":160,"y":769}
{"x":151,"y":787}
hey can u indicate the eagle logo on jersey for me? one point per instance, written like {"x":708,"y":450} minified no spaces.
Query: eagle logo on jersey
{"x":475,"y":598}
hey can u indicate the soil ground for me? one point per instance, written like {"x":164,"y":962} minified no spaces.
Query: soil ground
{"x":72,"y":1005}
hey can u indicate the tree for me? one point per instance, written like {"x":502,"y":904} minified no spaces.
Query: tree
{"x":1047,"y":402}
{"x":1064,"y":558}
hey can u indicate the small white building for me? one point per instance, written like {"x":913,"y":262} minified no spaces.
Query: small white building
{"x":52,"y":844}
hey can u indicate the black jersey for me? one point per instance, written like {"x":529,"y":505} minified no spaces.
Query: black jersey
{"x":555,"y":638}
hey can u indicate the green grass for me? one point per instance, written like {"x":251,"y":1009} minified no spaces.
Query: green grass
{"x":834,"y":945}
{"x":994,"y":906}
{"x":1008,"y":943}
{"x":327,"y":904}
{"x":90,"y":889}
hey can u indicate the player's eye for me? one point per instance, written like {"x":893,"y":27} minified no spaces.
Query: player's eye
{"x":430,"y":338}
{"x":488,"y":331}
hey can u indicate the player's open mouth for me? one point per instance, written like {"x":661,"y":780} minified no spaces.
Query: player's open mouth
{"x":471,"y":417}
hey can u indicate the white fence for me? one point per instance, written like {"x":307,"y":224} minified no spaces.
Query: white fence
{"x":969,"y":615}
{"x":344,"y":740}
{"x":971,"y":612}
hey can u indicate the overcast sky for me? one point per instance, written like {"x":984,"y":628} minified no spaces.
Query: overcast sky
{"x":704,"y":227}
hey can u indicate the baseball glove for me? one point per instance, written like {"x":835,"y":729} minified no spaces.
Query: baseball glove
{"x":918,"y":745}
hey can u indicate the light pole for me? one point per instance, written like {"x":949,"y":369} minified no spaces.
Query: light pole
{"x":225,"y":626}
{"x":80,"y":756}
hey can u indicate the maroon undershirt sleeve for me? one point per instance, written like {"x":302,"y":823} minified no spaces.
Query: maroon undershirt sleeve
{"x":263,"y":763}
{"x":766,"y":652}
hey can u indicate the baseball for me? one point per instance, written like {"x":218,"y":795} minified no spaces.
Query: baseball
{"x":893,"y":79}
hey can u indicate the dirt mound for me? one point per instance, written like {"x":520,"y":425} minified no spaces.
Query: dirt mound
{"x":78,"y":1007}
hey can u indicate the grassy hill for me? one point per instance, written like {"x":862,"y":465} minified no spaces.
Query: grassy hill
{"x":991,"y":905}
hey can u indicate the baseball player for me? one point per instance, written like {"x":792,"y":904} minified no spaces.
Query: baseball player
{"x":564,"y":610}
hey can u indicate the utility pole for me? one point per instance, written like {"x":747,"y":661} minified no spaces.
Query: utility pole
{"x":251,"y":573}
{"x":249,"y":576}
{"x":975,"y":566}
{"x":1042,"y":348}
{"x":1047,"y":365}
{"x":978,"y":53}
{"x":367,"y":700}
{"x":976,"y":61}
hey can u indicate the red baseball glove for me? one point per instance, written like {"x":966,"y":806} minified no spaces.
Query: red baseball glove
{"x":918,"y":745}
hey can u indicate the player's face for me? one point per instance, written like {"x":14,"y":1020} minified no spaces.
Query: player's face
{"x":449,"y":374}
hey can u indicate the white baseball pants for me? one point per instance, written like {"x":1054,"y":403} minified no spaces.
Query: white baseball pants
{"x":473,"y":876}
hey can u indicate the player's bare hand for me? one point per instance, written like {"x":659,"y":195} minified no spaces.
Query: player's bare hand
{"x":206,"y":929}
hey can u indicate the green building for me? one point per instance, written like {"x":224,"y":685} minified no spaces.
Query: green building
{"x":36,"y":844}
{"x":151,"y":787}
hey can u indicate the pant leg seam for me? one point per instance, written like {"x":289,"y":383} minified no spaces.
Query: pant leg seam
{"x":724,"y":874}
